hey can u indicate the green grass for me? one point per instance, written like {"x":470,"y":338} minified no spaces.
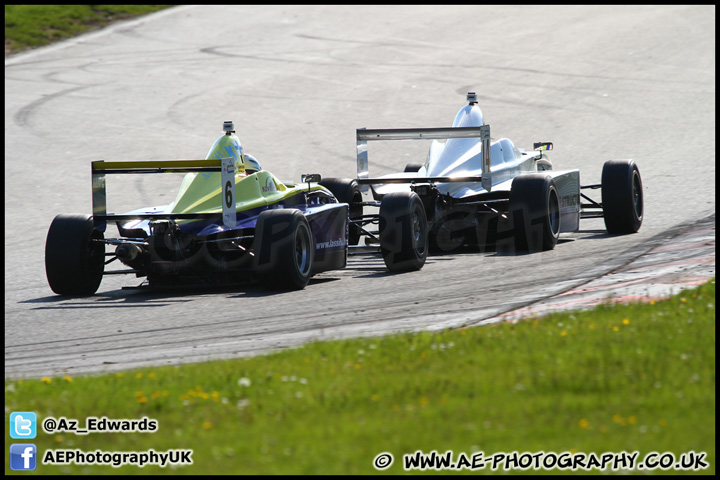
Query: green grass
{"x":637,"y":377}
{"x":30,"y":26}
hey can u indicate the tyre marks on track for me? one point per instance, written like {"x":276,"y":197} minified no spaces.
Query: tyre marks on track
{"x":685,"y":261}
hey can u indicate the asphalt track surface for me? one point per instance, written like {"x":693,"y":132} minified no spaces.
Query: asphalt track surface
{"x":601,"y":82}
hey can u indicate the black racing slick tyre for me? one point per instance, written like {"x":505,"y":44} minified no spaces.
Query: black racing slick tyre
{"x":403,"y":231}
{"x":535,"y":211}
{"x":347,"y":190}
{"x":413,"y":167}
{"x":622,"y":196}
{"x":74,"y":256}
{"x":284,"y":249}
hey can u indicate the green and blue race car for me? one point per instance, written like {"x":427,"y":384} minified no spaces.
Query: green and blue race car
{"x":230,"y":221}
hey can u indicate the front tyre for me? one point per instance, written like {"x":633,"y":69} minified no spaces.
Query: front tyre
{"x":403,"y":231}
{"x":74,"y":256}
{"x":622,"y":196}
{"x":535,"y":210}
{"x":284,"y":249}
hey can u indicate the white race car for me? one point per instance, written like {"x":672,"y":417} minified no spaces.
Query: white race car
{"x":475,"y":191}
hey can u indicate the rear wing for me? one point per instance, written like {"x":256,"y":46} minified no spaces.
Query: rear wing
{"x":365,"y":135}
{"x":101,"y":168}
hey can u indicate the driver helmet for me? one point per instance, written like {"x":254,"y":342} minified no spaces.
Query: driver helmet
{"x":251,"y":164}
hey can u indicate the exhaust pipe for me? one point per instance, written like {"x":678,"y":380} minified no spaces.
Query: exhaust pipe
{"x":128,"y":252}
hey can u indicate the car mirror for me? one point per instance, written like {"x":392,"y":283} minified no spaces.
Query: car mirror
{"x":310,"y":178}
{"x":542,"y":146}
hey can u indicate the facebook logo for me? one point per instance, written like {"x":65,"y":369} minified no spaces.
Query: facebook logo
{"x":23,"y":425}
{"x":23,"y":456}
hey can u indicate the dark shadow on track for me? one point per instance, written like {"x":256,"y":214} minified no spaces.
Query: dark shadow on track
{"x":158,"y":295}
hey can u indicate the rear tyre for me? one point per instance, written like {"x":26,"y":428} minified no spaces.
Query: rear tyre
{"x":413,"y":167}
{"x":74,"y":259}
{"x":347,"y":190}
{"x":284,"y":249}
{"x":403,"y":231}
{"x":622,"y":196}
{"x":535,"y":212}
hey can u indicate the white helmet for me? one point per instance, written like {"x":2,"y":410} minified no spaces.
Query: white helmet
{"x":251,"y":164}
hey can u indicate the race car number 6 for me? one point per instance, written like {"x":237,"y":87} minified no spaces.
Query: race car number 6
{"x":227,"y":181}
{"x":228,"y":194}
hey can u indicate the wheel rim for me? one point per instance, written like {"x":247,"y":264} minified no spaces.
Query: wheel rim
{"x":637,"y":195}
{"x":95,"y":253}
{"x":302,"y":250}
{"x":417,"y":226}
{"x":554,"y":213}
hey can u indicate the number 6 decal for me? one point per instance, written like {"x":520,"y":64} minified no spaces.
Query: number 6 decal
{"x":228,"y":181}
{"x":228,"y":194}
